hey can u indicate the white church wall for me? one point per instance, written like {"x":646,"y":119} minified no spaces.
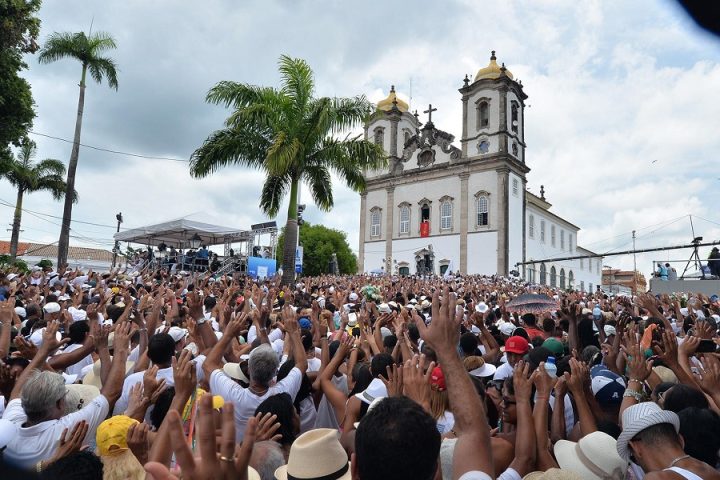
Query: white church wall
{"x":511,"y":97}
{"x":482,"y":181}
{"x":445,"y":247}
{"x":482,"y":253}
{"x":374,"y":254}
{"x":433,"y":190}
{"x":375,"y":198}
{"x":384,"y":124}
{"x":516,"y":193}
{"x":493,"y":112}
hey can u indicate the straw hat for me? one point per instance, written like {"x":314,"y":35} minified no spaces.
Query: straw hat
{"x":316,"y":454}
{"x":553,"y":474}
{"x":78,"y":396}
{"x":234,"y":371}
{"x":637,"y":418}
{"x":593,"y":457}
{"x":93,"y":376}
{"x":478,"y":367}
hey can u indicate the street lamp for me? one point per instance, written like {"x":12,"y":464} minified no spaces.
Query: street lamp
{"x":195,"y":241}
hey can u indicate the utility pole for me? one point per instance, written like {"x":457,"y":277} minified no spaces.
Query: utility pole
{"x":634,"y":286}
{"x":119,"y":219}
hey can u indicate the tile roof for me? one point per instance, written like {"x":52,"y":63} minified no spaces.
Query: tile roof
{"x":50,"y":251}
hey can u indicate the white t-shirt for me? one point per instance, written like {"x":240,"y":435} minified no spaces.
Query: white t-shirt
{"x":245,"y":401}
{"x":122,"y":404}
{"x":76,"y":368}
{"x":32,"y":444}
{"x":326,"y":417}
{"x":503,"y":371}
{"x":275,"y":334}
{"x":308,"y":414}
{"x":445,"y":423}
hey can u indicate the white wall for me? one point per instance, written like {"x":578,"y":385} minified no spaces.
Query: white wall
{"x":515,"y":221}
{"x":483,"y":181}
{"x":445,"y":247}
{"x":493,"y":114}
{"x":482,"y":253}
{"x":432,"y":190}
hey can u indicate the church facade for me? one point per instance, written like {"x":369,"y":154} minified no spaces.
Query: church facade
{"x":439,"y":207}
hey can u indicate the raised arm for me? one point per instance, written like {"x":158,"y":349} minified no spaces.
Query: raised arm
{"x":544,"y":385}
{"x":293,"y":335}
{"x":213,"y":361}
{"x":112,"y":388}
{"x":472,"y":450}
{"x":6,"y":316}
{"x":49,"y":344}
{"x":524,"y":460}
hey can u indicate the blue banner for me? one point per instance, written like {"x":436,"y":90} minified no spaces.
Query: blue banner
{"x":258,"y":267}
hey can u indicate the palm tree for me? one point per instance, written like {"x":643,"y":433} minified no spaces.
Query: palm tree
{"x":88,"y":51}
{"x":293,"y":138}
{"x":28,"y":177}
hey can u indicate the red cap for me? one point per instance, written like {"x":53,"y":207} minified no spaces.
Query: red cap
{"x":437,"y":379}
{"x":517,"y":344}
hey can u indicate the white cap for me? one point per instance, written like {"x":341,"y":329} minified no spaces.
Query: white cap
{"x":52,"y":307}
{"x":177,"y":333}
{"x":353,"y":297}
{"x":20,"y":311}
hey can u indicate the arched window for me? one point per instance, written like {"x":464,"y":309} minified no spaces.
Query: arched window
{"x":483,"y":114}
{"x":543,"y":274}
{"x":515,"y":149}
{"x":562,"y":278}
{"x":514,"y":117}
{"x":483,"y":146}
{"x":571,"y":280}
{"x":375,"y":215}
{"x":531,"y":226}
{"x":445,"y":215}
{"x":379,"y":137}
{"x":482,"y":205}
{"x":553,"y":277}
{"x":406,"y":137}
{"x":404,"y":219}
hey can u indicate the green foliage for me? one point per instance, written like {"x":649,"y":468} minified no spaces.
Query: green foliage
{"x":29,"y":176}
{"x":7,"y":263}
{"x":319,"y":243}
{"x":45,"y":263}
{"x":19,"y":28}
{"x":85,"y":49}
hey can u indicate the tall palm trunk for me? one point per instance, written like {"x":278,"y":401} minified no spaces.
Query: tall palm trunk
{"x":291,"y":233}
{"x":15,"y":237}
{"x":64,"y":242}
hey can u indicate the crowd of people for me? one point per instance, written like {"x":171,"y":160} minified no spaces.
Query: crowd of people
{"x":162,"y":376}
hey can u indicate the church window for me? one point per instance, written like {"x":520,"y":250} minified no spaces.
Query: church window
{"x":553,"y":277}
{"x":542,"y":231}
{"x":582,"y":264}
{"x":531,"y":226}
{"x":562,"y":278}
{"x":515,"y":149}
{"x":562,"y":239}
{"x":482,"y":211}
{"x":404,"y":271}
{"x":404,"y":219}
{"x":590,"y":288}
{"x":445,"y":215}
{"x":375,"y":215}
{"x":406,"y":137}
{"x":444,"y":268}
{"x":570,"y":242}
{"x":552,"y":235}
{"x":483,"y":114}
{"x":543,"y":274}
{"x":514,"y":117}
{"x":484,"y":146}
{"x":515,"y":187}
{"x":582,"y":285}
{"x":379,"y":136}
{"x":571,"y":280}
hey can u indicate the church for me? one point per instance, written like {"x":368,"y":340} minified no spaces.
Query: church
{"x":440,"y":207}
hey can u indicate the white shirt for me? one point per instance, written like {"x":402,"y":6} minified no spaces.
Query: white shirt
{"x":245,"y":401}
{"x":503,"y":371}
{"x":122,"y":404}
{"x":446,"y":422}
{"x":32,"y":444}
{"x":326,"y":417}
{"x":275,"y":334}
{"x":308,"y":414}
{"x":76,"y":368}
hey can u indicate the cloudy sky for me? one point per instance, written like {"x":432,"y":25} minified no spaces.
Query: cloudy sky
{"x":621,"y":123}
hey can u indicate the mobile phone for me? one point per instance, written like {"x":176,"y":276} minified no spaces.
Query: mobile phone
{"x":706,"y":346}
{"x":352,"y":317}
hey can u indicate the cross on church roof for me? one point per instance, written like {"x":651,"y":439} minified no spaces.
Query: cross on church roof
{"x":429,"y":112}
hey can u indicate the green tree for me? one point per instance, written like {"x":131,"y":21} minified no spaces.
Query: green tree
{"x":28,"y":177}
{"x":88,"y":50}
{"x":292,"y":137}
{"x":19,"y":28}
{"x":319,"y":243}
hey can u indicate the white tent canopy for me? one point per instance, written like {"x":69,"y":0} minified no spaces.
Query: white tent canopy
{"x":179,"y":233}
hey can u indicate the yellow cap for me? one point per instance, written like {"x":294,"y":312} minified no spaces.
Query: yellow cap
{"x":115,"y":290}
{"x":111,"y":436}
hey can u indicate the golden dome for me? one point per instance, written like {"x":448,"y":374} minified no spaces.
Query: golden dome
{"x":492,"y":71}
{"x":387,"y":104}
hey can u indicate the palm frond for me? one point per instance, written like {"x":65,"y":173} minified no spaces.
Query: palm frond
{"x":242,"y":145}
{"x":49,"y":166}
{"x":320,"y":183}
{"x":60,"y":45}
{"x":100,"y":67}
{"x":100,"y":42}
{"x":348,"y":113}
{"x":273,"y":193}
{"x":297,"y":80}
{"x":283,"y":154}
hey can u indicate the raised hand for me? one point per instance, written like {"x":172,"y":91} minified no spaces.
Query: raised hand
{"x":709,"y":378}
{"x":544,"y":383}
{"x":443,"y":333}
{"x":394,"y":381}
{"x":184,"y":374}
{"x":267,"y":425}
{"x":138,"y":442}
{"x":638,"y":368}
{"x":416,"y":381}
{"x":69,"y":444}
{"x":521,"y":381}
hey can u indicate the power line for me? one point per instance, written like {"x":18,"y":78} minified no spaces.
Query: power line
{"x":8,"y":204}
{"x":116,"y":152}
